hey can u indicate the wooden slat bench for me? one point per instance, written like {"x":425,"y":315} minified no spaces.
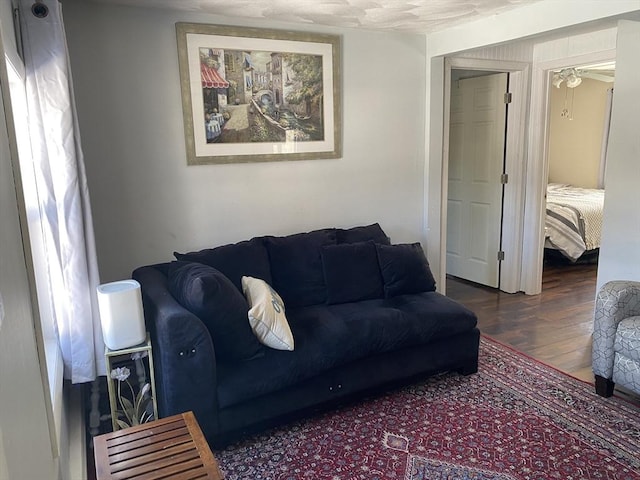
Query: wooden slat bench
{"x":172,"y":447}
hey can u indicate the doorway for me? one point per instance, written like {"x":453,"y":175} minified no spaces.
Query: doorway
{"x":538,"y":166}
{"x":477,"y":133}
{"x":580,"y":100}
{"x":509,"y":271}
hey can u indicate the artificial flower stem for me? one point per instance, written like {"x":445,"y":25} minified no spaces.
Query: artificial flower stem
{"x":122,"y":403}
{"x":134,"y":412}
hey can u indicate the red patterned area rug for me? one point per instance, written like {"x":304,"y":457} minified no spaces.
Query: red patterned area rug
{"x":515,"y":419}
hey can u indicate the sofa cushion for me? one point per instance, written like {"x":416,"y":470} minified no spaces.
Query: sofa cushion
{"x":266,"y":314}
{"x":211,"y":296}
{"x":351,"y":272}
{"x":322,"y":342}
{"x":405,"y":269}
{"x":391,"y":324}
{"x":362,"y":234}
{"x":330,"y":336}
{"x":627,"y":339}
{"x":296,"y":266}
{"x":248,"y":258}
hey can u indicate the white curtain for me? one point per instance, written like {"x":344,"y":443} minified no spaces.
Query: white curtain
{"x":65,"y":211}
{"x":605,"y":138}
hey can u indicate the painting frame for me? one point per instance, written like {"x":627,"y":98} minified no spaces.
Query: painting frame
{"x":314,"y":133}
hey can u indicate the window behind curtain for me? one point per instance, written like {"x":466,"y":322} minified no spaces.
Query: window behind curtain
{"x":49,"y":341}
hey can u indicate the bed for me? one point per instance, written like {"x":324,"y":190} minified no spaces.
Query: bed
{"x":574,"y":219}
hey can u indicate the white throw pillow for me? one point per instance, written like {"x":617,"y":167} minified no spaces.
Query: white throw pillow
{"x":266,"y":314}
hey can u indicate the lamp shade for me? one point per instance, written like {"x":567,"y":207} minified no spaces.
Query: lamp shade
{"x":121,"y":314}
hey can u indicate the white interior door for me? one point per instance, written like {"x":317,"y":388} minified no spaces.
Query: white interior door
{"x":476,"y":162}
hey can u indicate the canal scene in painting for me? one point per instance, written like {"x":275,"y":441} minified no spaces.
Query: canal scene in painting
{"x":257,"y":96}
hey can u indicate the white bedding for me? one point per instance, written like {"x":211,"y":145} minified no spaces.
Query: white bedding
{"x":574,"y":219}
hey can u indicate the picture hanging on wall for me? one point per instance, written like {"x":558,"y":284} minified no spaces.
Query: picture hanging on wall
{"x":256,"y":95}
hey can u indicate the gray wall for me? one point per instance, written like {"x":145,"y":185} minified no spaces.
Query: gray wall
{"x":147,"y":202}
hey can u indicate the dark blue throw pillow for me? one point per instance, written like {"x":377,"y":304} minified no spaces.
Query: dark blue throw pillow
{"x":362,"y":234}
{"x":351,"y":272}
{"x":211,"y":296}
{"x":405,"y":269}
{"x":248,"y":258}
{"x":296,"y":266}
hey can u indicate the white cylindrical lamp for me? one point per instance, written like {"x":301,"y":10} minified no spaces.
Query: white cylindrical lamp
{"x":121,"y":314}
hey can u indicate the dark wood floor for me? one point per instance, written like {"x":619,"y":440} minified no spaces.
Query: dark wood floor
{"x":554,"y":327}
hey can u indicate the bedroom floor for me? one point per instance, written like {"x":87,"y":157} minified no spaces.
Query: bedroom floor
{"x":554,"y":327}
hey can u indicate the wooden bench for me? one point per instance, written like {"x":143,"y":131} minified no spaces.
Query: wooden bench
{"x":172,"y":447}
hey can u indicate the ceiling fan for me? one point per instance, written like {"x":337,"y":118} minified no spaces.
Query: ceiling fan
{"x":573,"y":75}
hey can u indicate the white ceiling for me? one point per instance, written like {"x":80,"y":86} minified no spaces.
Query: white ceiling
{"x":402,"y":15}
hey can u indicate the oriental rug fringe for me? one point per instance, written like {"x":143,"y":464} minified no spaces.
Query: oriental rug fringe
{"x":515,"y":419}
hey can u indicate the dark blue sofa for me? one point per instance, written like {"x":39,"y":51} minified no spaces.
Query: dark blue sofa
{"x":364,"y":315}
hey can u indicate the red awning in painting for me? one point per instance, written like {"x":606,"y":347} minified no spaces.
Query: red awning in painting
{"x":211,"y":78}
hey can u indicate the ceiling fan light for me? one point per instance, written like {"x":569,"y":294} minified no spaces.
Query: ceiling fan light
{"x":573,"y":81}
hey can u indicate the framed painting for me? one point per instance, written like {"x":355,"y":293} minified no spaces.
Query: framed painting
{"x":256,"y":95}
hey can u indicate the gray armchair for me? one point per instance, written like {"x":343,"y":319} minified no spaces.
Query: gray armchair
{"x":616,"y":337}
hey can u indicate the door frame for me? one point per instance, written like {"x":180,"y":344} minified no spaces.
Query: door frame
{"x":538,"y":165}
{"x":513,"y":203}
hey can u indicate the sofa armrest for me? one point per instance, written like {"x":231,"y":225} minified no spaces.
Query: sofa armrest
{"x":615,"y":301}
{"x":183,"y":353}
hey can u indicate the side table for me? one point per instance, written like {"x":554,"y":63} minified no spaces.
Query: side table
{"x":112,"y":356}
{"x":173,"y":447}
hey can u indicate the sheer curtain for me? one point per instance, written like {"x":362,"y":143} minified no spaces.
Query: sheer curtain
{"x":65,"y":214}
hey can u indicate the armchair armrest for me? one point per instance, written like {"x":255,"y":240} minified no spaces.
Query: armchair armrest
{"x":183,"y":353}
{"x":615,"y":301}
